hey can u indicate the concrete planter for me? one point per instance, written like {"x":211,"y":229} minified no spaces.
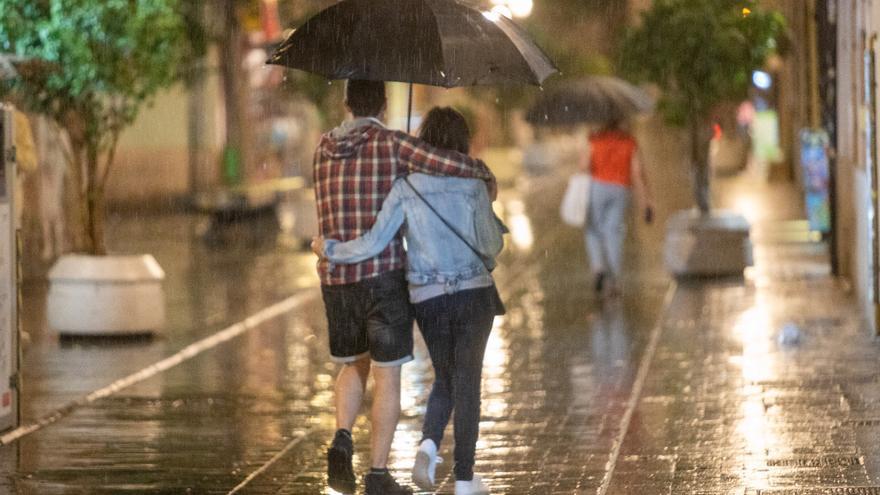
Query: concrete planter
{"x":106,"y":295}
{"x":704,"y":246}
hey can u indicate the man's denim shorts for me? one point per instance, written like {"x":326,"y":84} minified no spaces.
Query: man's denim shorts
{"x":372,"y":318}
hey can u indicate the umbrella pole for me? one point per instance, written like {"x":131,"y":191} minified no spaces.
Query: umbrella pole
{"x":409,"y":108}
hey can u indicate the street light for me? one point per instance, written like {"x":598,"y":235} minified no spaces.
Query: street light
{"x":520,"y":8}
{"x":512,"y":8}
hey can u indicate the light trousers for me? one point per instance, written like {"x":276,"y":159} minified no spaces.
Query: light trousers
{"x":606,"y":227}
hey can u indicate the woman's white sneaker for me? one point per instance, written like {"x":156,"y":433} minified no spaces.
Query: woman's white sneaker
{"x":475,"y":486}
{"x":426,"y":465}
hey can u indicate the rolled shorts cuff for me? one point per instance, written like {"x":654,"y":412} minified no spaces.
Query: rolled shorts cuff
{"x":391,"y":364}
{"x":349,"y":359}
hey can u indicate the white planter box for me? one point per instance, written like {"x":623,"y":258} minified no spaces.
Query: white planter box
{"x":713,"y":245}
{"x":106,"y":295}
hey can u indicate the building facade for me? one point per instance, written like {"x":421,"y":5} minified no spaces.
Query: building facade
{"x":848,"y":51}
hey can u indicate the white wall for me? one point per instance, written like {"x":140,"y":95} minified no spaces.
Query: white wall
{"x":151,"y":161}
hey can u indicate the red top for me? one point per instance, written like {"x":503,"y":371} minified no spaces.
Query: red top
{"x":611,"y":154}
{"x":353,"y":175}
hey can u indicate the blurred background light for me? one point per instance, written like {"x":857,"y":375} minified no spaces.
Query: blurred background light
{"x":762,"y":79}
{"x":520,"y":8}
{"x":502,"y":10}
{"x":512,"y":8}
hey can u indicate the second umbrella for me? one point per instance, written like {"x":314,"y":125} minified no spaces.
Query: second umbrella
{"x":593,"y":99}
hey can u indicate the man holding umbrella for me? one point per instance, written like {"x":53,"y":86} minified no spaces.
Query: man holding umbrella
{"x":368,"y":312}
{"x":436,"y":42}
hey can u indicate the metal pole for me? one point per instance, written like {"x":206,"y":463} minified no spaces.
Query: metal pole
{"x":409,"y":108}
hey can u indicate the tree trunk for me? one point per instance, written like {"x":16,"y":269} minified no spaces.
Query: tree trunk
{"x":94,"y":203}
{"x":199,"y":168}
{"x":77,"y":181}
{"x":700,"y":137}
{"x":95,"y":226}
{"x":231,"y":60}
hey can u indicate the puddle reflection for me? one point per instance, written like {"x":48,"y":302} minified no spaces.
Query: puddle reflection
{"x":759,"y":363}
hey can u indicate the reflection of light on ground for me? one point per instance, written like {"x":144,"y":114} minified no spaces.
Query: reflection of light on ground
{"x":406,"y":440}
{"x":749,"y":206}
{"x":300,"y":360}
{"x":580,"y":374}
{"x":495,"y":379}
{"x":413,"y":390}
{"x":758,"y":435}
{"x":759,"y":363}
{"x":520,"y":225}
{"x":753,"y":329}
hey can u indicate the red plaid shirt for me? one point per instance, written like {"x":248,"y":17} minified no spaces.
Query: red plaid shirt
{"x":354,"y":169}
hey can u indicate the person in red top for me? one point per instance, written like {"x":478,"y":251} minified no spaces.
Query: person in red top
{"x":613,"y":162}
{"x":369,"y":317}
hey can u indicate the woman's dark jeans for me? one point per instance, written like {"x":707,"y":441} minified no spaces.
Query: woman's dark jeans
{"x":456,"y":328}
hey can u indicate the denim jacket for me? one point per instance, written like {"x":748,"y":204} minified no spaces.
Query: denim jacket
{"x":435,"y":255}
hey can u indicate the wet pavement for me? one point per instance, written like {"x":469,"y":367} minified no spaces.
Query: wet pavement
{"x":676,"y":388}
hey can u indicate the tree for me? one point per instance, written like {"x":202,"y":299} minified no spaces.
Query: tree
{"x":701,"y":53}
{"x":93,"y":65}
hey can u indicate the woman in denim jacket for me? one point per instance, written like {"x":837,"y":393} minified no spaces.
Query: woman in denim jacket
{"x":452,"y":238}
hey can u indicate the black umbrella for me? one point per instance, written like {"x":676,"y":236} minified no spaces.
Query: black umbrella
{"x":588,"y":100}
{"x":435,"y":42}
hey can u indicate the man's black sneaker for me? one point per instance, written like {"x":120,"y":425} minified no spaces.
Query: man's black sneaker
{"x":599,"y":282}
{"x":383,"y":484}
{"x":340,"y":474}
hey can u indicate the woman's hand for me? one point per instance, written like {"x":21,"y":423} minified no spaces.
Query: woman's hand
{"x":318,"y":246}
{"x":649,"y":214}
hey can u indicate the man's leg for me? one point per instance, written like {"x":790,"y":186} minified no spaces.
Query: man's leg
{"x":349,"y":391}
{"x":348,"y":346}
{"x":389,"y":329}
{"x":385,"y":413}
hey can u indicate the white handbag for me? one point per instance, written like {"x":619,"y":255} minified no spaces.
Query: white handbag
{"x":576,"y":200}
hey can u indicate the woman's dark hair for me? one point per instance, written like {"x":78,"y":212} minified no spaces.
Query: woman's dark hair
{"x":365,"y":98}
{"x":445,"y":127}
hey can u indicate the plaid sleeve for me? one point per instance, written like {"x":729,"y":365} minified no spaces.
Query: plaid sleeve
{"x":419,"y":156}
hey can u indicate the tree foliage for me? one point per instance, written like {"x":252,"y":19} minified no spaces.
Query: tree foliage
{"x":91,"y":65}
{"x":701,"y":53}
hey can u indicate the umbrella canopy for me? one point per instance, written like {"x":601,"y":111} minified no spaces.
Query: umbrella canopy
{"x":593,"y":99}
{"x":434,"y":42}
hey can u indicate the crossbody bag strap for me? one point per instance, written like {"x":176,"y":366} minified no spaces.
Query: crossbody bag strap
{"x":448,"y":225}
